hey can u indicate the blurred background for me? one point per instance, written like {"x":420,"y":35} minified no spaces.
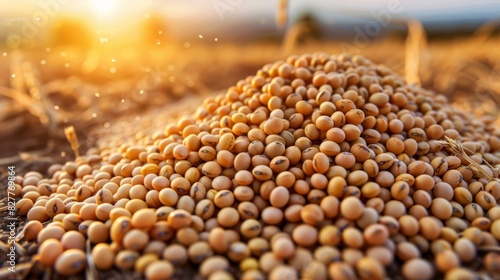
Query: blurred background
{"x":88,"y":63}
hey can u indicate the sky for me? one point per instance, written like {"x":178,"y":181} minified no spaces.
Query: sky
{"x":192,"y":17}
{"x":238,"y":8}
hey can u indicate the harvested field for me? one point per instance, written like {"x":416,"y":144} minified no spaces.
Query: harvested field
{"x":125,"y":108}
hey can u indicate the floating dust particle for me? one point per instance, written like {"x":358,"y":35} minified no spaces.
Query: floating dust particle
{"x":72,"y":139}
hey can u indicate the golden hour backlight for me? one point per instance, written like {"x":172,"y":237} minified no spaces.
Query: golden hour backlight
{"x":105,"y":7}
{"x":238,"y":139}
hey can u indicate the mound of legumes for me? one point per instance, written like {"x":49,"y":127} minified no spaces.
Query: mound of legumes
{"x":318,"y":167}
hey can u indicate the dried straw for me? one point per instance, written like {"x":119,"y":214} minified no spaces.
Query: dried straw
{"x":72,"y":139}
{"x":457,"y":148}
{"x":281,"y":14}
{"x":414,"y":41}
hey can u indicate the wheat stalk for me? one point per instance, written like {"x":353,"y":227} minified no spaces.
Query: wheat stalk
{"x":414,"y":40}
{"x":281,"y":13}
{"x":72,"y":139}
{"x":457,"y":148}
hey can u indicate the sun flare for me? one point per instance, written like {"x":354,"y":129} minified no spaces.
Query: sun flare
{"x":104,"y":7}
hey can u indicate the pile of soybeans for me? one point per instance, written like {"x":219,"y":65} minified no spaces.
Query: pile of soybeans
{"x":318,"y":167}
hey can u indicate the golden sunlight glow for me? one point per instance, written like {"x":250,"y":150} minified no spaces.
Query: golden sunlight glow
{"x":104,"y":7}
